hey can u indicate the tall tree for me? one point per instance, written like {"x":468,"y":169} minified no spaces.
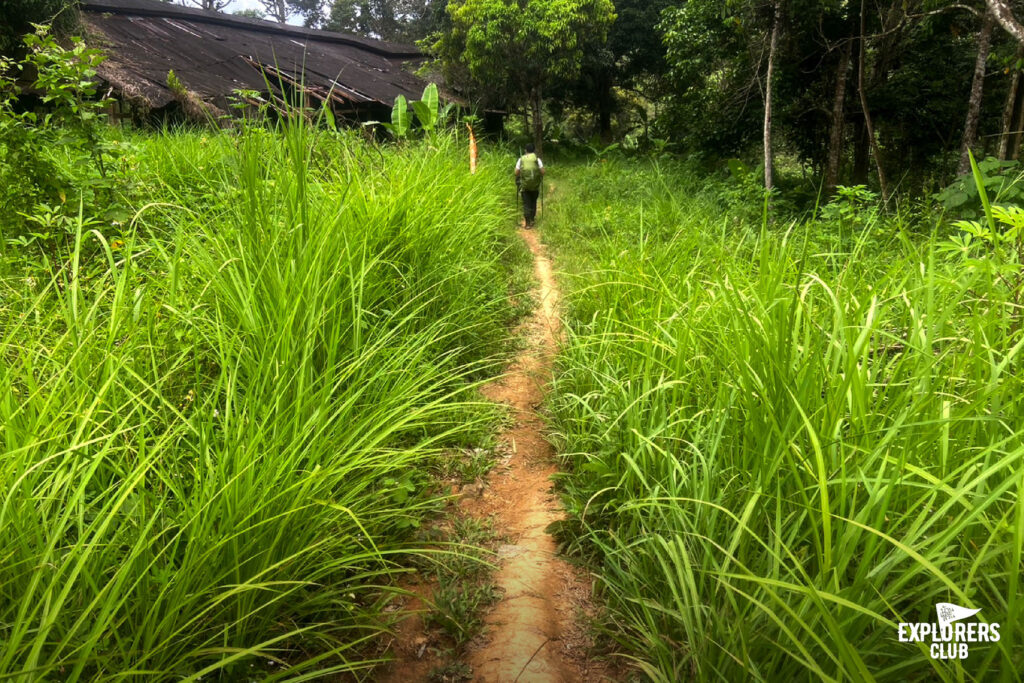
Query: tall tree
{"x":311,"y":11}
{"x":838,"y":127}
{"x":1003,"y":13}
{"x":869,"y":126}
{"x":716,"y":54}
{"x":208,"y":5}
{"x":977,"y":85}
{"x":633,"y":58}
{"x":1009,"y":141}
{"x":343,"y":16}
{"x":514,"y":49}
{"x":278,"y":10}
{"x":398,"y":20}
{"x":281,"y":11}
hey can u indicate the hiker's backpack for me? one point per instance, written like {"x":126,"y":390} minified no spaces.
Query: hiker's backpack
{"x":529,"y":172}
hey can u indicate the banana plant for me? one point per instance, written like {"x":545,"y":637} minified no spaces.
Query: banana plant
{"x":426,"y":109}
{"x":401,"y":121}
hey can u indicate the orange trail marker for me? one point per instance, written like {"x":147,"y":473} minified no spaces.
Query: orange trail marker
{"x":472,"y":149}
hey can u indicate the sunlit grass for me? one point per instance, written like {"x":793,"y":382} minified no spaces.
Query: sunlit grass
{"x":217,"y":434}
{"x":782,"y":443}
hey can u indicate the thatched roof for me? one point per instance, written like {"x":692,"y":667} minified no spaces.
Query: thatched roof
{"x":215,"y":54}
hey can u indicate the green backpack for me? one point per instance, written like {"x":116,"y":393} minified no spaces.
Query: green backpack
{"x":529,"y":172}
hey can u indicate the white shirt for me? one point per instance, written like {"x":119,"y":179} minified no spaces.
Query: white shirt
{"x":519,"y":163}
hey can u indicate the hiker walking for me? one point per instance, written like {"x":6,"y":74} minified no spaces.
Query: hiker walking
{"x":529,"y":174}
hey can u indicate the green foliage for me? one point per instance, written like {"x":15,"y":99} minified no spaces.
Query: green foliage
{"x":635,"y":42}
{"x":464,"y":584}
{"x":851,"y":207}
{"x":427,"y":110}
{"x":451,"y":673}
{"x":1001,"y":179}
{"x":708,"y":67}
{"x":17,"y":17}
{"x":776,"y":449}
{"x":216,"y":418}
{"x":458,"y":609}
{"x":249,"y":13}
{"x":993,"y":251}
{"x":603,"y":151}
{"x":394,"y":20}
{"x":744,"y":190}
{"x":917,"y":68}
{"x":507,"y":48}
{"x":62,"y":153}
{"x":400,"y":119}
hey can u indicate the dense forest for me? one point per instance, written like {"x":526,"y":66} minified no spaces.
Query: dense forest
{"x":704,"y":364}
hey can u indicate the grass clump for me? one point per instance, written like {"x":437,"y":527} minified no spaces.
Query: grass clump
{"x":215,"y":418}
{"x":461,"y":571}
{"x":783,"y":441}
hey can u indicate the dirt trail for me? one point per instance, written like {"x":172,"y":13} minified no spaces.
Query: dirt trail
{"x":533,"y":633}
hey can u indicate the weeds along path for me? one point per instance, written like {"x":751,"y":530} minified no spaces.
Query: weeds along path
{"x":533,"y":633}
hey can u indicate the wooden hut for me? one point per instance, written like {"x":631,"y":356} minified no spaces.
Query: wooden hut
{"x":214,"y":56}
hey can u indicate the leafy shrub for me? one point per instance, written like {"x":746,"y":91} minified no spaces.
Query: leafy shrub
{"x":57,"y":156}
{"x":1002,"y":180}
{"x":742,"y":191}
{"x":851,"y":207}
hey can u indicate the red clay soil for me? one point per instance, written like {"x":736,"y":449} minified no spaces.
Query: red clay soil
{"x":534,"y":633}
{"x":537,"y":631}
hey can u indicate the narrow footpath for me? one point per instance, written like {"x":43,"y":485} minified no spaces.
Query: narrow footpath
{"x":535,"y":633}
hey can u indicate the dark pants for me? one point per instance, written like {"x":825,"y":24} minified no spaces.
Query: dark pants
{"x":530,"y":205}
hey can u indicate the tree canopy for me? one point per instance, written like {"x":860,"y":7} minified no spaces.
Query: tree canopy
{"x":504,"y":50}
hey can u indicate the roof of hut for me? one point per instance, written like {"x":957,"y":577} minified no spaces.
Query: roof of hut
{"x":215,"y":54}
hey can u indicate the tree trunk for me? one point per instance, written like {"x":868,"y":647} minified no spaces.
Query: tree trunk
{"x":861,"y":153}
{"x":1010,"y":108}
{"x":538,"y":122}
{"x":605,"y":126}
{"x":835,"y":143}
{"x":276,"y":10}
{"x":605,"y":106}
{"x":772,"y":46}
{"x":977,"y":85}
{"x":868,"y":124}
{"x":1004,"y":15}
{"x":1017,"y":126}
{"x":604,"y":118}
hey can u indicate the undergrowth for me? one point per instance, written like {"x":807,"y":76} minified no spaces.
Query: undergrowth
{"x":781,"y":440}
{"x":219,"y":416}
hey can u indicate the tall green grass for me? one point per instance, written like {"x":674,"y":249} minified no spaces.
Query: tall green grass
{"x":217,"y":435}
{"x":780,"y":443}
